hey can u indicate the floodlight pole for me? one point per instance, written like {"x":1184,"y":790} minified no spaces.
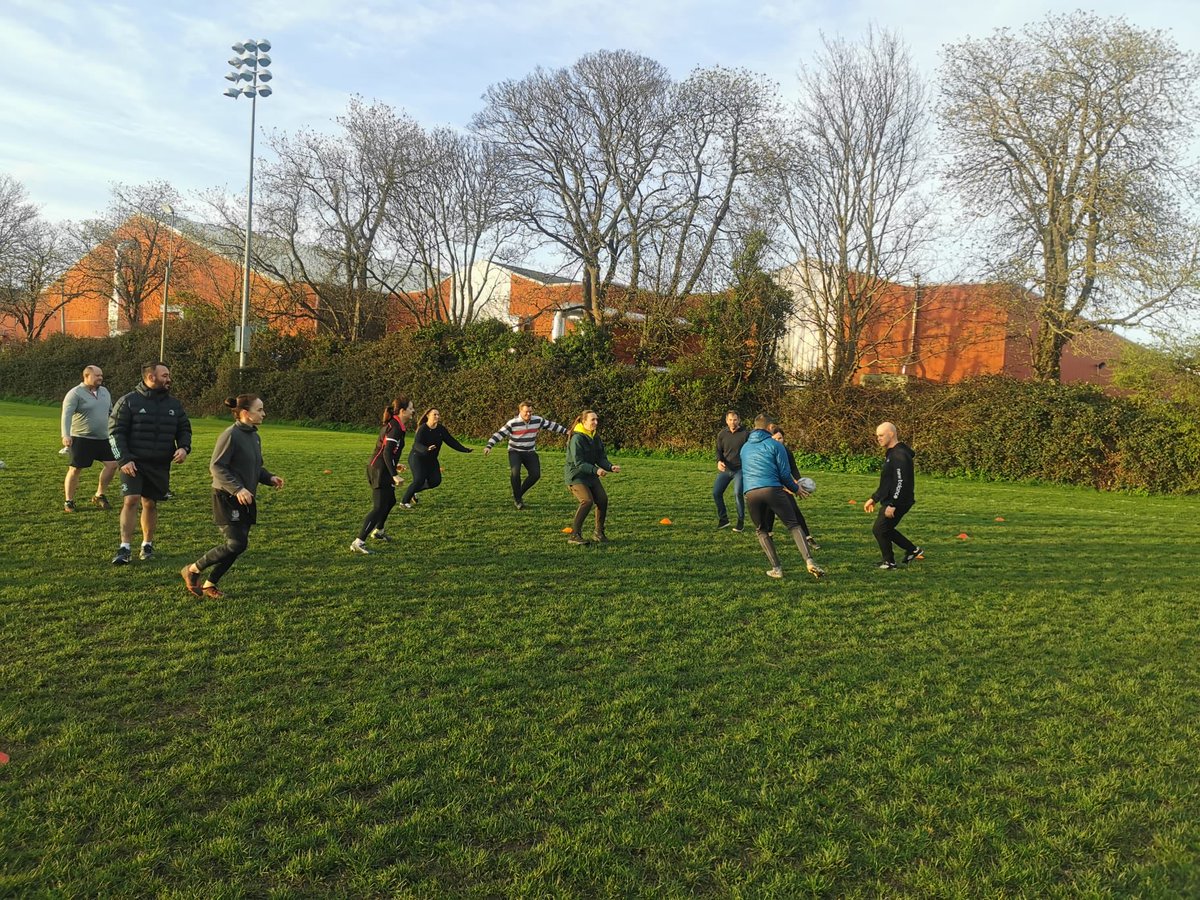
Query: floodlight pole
{"x":253,"y":54}
{"x":243,"y":341}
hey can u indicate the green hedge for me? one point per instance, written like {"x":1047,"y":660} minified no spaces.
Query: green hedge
{"x":991,"y":428}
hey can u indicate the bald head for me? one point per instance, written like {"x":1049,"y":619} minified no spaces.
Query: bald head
{"x":885,"y":435}
{"x":92,"y":376}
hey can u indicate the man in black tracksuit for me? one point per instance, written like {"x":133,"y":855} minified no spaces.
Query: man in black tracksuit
{"x":895,"y":493}
{"x":148,"y":430}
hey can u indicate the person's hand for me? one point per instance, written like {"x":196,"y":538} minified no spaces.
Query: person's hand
{"x":802,"y":493}
{"x":889,"y":512}
{"x":397,"y":480}
{"x":67,"y":441}
{"x":130,"y":468}
{"x":616,"y":468}
{"x":487,"y":450}
{"x":601,"y":473}
{"x":276,"y":482}
{"x":179,"y":456}
{"x":869,"y":506}
{"x":401,"y":468}
{"x":720,"y":466}
{"x":244,"y":497}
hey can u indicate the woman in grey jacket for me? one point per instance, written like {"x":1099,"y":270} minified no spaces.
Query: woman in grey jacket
{"x":237,"y":471}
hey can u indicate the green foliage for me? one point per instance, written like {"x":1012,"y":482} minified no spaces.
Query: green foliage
{"x":991,"y":428}
{"x":742,"y":327}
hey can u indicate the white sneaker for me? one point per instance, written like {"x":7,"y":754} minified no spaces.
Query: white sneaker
{"x":359,"y":546}
{"x":775,"y":573}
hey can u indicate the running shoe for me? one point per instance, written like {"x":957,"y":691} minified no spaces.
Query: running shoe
{"x":886,"y":565}
{"x":123,"y":557}
{"x":815,"y":571}
{"x":359,"y":546}
{"x":775,"y":573}
{"x":69,"y":506}
{"x":212,"y":592}
{"x":147,"y":551}
{"x":576,"y":540}
{"x":919,"y":553}
{"x":380,"y":535}
{"x":101,"y":502}
{"x":192,"y":581}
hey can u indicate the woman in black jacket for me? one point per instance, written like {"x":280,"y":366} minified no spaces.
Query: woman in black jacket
{"x":423,"y":460}
{"x":383,"y":471}
{"x":237,"y":470}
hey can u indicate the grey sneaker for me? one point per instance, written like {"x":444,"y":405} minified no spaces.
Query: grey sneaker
{"x":380,"y":535}
{"x":576,"y":540}
{"x":721,"y":525}
{"x":147,"y":551}
{"x":519,"y":504}
{"x":919,"y":553}
{"x":123,"y":557}
{"x":359,"y":546}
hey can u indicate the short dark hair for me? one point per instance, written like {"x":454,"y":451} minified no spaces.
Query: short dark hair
{"x":762,"y":420}
{"x":528,"y":403}
{"x":149,"y":367}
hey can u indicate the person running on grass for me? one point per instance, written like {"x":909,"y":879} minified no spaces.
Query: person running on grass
{"x":730,"y":441}
{"x":586,"y":465}
{"x":522,"y":434}
{"x":768,"y":481}
{"x":895,"y":492}
{"x":423,"y":460}
{"x":148,"y":430}
{"x":383,"y":471}
{"x":237,"y":471}
{"x":777,"y":434}
{"x":85,"y":412}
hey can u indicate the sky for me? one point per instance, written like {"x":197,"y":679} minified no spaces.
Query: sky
{"x":94,"y":93}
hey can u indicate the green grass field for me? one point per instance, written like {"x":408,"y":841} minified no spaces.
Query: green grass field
{"x":480,"y":710}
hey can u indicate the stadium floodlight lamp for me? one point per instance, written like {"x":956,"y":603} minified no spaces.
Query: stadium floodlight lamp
{"x":250,"y":65}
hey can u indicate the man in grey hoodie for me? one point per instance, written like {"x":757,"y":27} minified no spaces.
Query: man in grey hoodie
{"x":84,"y":428}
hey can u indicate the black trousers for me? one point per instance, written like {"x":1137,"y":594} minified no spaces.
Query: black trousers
{"x":383,"y":499}
{"x":222,"y":556}
{"x":886,"y":534}
{"x":528,"y":459}
{"x":425,"y":472}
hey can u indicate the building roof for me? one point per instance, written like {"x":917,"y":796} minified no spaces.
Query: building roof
{"x":533,"y":275}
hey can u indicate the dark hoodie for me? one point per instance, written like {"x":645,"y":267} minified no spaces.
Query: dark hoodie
{"x":148,"y":425}
{"x":896,"y":479}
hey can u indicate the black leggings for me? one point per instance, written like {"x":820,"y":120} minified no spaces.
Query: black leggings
{"x":222,"y":556}
{"x":528,"y":459}
{"x":765,"y":504}
{"x":383,"y":499}
{"x":425,"y":472}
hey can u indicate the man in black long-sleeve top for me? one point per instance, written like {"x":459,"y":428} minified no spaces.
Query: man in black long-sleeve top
{"x":730,"y":441}
{"x":895,"y":493}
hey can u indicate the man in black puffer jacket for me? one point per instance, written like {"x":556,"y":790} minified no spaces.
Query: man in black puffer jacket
{"x":148,"y":430}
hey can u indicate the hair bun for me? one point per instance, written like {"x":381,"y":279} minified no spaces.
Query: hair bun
{"x":231,"y":402}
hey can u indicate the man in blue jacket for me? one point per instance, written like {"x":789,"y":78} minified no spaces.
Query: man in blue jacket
{"x":767,"y":480}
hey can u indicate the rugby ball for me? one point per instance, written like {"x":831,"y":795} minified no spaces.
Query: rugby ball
{"x":808,"y":485}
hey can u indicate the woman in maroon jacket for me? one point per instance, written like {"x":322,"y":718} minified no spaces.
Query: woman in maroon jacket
{"x":383,"y":471}
{"x":423,"y":460}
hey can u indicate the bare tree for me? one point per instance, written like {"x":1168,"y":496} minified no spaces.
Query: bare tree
{"x":577,"y":142}
{"x":847,"y":182}
{"x":451,"y":214}
{"x":320,"y":220}
{"x":1069,"y":141}
{"x":17,"y":213}
{"x":677,"y":213}
{"x":127,"y":247}
{"x":33,"y":290}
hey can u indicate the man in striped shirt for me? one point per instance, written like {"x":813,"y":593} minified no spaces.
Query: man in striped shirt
{"x":521,"y":434}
